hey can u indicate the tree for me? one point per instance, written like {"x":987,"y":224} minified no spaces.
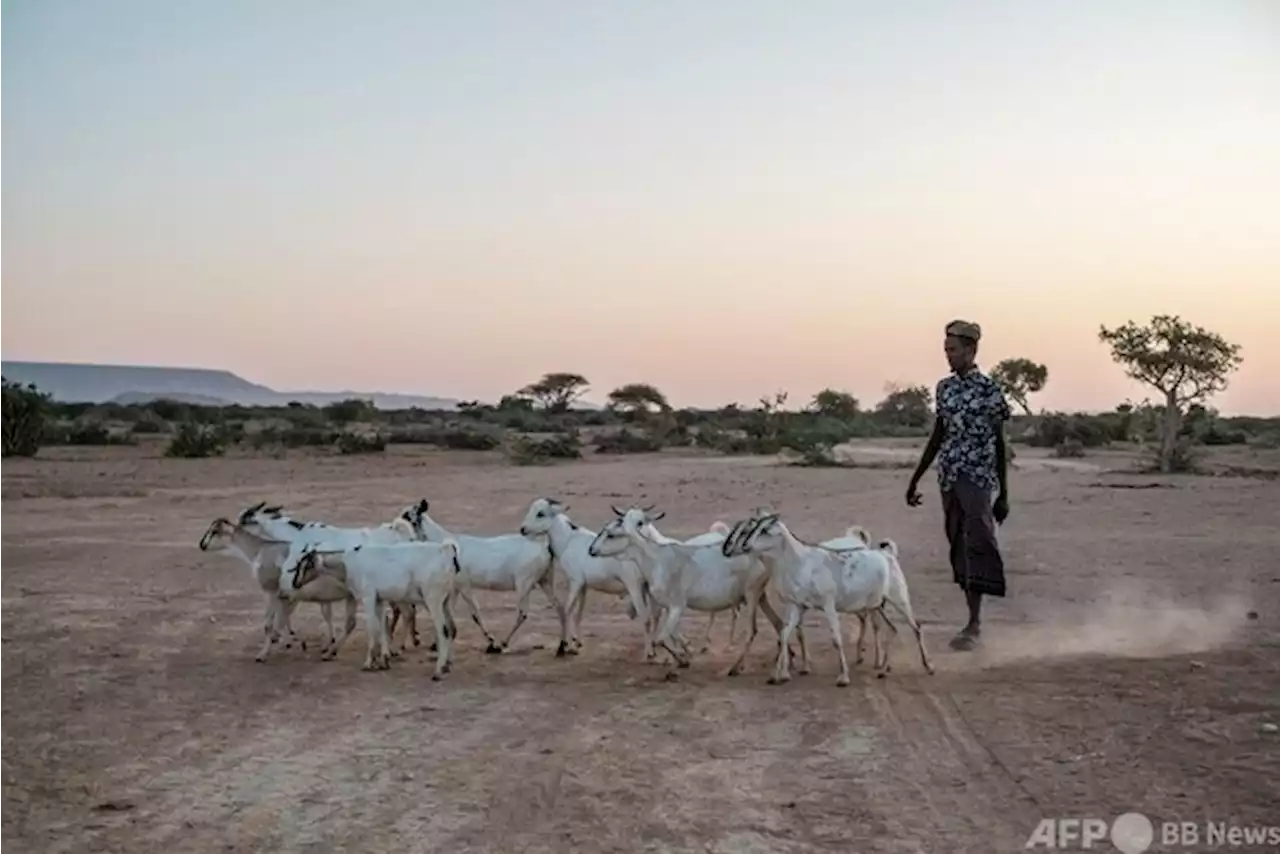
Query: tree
{"x":347,"y":411}
{"x":637,"y":398}
{"x":911,"y":406}
{"x":1185,"y":363}
{"x":1019,"y":379}
{"x":556,"y":391}
{"x":834,"y":404}
{"x":25,"y":411}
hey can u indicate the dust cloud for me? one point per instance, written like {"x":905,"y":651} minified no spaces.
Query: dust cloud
{"x":1126,"y":622}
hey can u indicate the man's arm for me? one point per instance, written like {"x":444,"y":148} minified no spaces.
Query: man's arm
{"x":930,"y":452}
{"x":1002,"y":462}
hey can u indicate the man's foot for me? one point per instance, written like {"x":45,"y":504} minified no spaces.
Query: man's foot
{"x":967,"y":639}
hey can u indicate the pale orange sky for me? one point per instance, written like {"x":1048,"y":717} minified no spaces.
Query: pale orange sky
{"x":722,"y":199}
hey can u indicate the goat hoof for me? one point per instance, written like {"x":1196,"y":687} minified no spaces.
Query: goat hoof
{"x":561,"y":652}
{"x":734,"y":672}
{"x":433,"y":646}
{"x":683,"y":664}
{"x":493,"y":649}
{"x":882,"y":674}
{"x":435,"y":677}
{"x":842,"y":682}
{"x":302,"y":645}
{"x":671,"y":676}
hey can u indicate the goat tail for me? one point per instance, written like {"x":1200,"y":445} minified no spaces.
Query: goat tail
{"x":888,"y":546}
{"x":719,"y":527}
{"x":858,"y":532}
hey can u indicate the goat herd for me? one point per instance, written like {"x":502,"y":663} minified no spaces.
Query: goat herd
{"x":412,"y":561}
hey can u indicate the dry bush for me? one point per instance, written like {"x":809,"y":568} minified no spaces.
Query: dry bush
{"x":196,"y":441}
{"x":527,"y":451}
{"x":1070,"y":448}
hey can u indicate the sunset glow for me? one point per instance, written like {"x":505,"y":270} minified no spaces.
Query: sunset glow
{"x":722,"y":199}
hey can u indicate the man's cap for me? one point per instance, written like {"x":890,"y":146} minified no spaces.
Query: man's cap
{"x":964,"y":329}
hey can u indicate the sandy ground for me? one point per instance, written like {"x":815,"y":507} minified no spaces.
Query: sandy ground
{"x":1123,"y":672}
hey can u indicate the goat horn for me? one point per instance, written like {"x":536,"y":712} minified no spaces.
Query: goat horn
{"x":615,"y":510}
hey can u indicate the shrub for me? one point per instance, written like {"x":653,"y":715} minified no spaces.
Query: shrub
{"x":816,"y":441}
{"x":149,"y":424}
{"x":1055,"y":428}
{"x":1070,"y":448}
{"x":361,"y":443}
{"x":526,"y":451}
{"x":25,"y":411}
{"x":1267,"y":441}
{"x":1185,"y":458}
{"x":462,"y":438}
{"x":626,"y":442}
{"x":196,"y":441}
{"x":94,"y":433}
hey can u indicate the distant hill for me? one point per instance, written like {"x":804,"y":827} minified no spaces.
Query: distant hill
{"x":90,"y":383}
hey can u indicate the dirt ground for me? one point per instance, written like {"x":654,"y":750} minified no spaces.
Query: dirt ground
{"x":1124,"y":672}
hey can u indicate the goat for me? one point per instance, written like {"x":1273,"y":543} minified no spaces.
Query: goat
{"x":683,"y":576}
{"x":265,"y":557}
{"x":271,"y":522}
{"x":807,"y":576}
{"x":714,"y":536}
{"x":569,"y":544}
{"x":505,"y":562}
{"x":414,"y":572}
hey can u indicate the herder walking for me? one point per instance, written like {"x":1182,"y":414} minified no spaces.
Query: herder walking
{"x":969,"y":443}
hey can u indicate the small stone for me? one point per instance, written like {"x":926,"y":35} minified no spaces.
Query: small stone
{"x":1196,"y":665}
{"x":1252,"y":615}
{"x":1270,"y":728}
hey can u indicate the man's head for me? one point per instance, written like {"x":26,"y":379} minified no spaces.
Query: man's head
{"x":961,"y":344}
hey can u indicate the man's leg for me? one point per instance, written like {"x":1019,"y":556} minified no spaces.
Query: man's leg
{"x":983,"y":562}
{"x":953,"y":517}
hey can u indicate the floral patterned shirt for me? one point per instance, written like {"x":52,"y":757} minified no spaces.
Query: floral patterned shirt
{"x":973,"y":410}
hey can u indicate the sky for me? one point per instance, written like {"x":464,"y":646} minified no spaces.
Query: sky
{"x":724,"y":198}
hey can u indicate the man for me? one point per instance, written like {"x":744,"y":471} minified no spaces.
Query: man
{"x":968,"y":442}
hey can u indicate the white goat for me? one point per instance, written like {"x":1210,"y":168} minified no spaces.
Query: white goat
{"x":265,"y":557}
{"x":407,"y":573}
{"x":715,"y":535}
{"x":680,"y":576}
{"x":807,"y":576}
{"x":569,"y":546}
{"x":505,"y":562}
{"x":271,"y":522}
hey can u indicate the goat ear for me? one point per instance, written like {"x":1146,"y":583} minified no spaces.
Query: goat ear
{"x":659,"y":516}
{"x":271,"y":511}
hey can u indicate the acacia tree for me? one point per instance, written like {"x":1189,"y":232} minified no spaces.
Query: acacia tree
{"x":834,"y":404}
{"x":635,"y":398}
{"x":1185,"y":363}
{"x":1019,"y":379}
{"x":555,"y":392}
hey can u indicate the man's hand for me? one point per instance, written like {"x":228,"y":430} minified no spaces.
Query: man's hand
{"x":913,"y":494}
{"x":1001,"y":508}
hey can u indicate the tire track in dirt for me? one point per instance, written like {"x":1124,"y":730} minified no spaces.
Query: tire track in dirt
{"x":942,"y":783}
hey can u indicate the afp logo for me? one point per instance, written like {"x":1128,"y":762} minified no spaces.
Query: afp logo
{"x":1131,"y":833}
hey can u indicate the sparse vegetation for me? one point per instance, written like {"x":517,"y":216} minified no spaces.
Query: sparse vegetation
{"x":25,"y":412}
{"x":1185,"y":363}
{"x":353,"y":442}
{"x":538,"y":423}
{"x":1019,"y":379}
{"x":196,"y":441}
{"x":526,"y":450}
